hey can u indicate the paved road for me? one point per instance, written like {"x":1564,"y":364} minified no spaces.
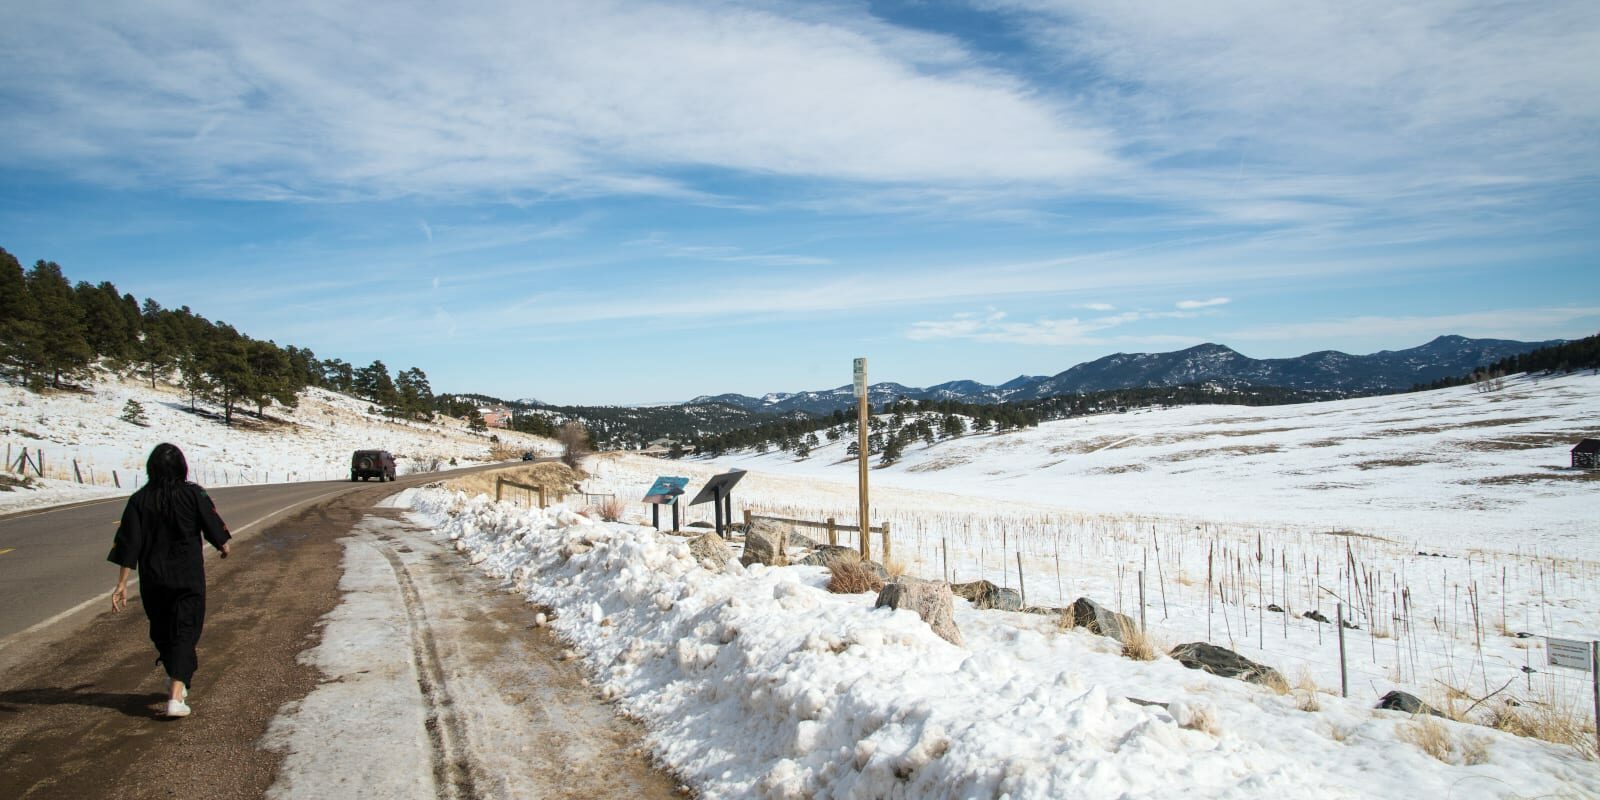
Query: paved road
{"x":55,"y":560}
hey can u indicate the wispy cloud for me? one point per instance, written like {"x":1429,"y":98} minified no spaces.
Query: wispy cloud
{"x":528,"y":99}
{"x":995,"y":327}
{"x":1514,"y":323}
{"x":1193,"y":304}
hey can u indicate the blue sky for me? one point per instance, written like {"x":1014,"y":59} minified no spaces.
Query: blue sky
{"x":595,"y":202}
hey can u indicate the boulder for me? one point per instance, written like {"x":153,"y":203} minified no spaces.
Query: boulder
{"x":800,"y":541}
{"x":1409,"y":703}
{"x":711,"y":552}
{"x":1086,"y":613}
{"x":1314,"y":615}
{"x":1275,"y":608}
{"x":1222,"y":661}
{"x":983,"y":594}
{"x":930,"y":599}
{"x":765,"y":547}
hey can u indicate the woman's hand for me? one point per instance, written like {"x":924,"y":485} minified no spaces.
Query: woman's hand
{"x":224,"y":549}
{"x":119,"y":597}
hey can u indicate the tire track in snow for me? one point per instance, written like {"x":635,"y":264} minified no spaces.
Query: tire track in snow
{"x":452,"y":768}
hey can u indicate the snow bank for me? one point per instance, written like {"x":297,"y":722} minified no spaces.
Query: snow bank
{"x":758,"y":682}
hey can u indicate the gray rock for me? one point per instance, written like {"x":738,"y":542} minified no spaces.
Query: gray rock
{"x":983,"y":594}
{"x":1086,"y":613}
{"x":765,"y":547}
{"x":1275,"y":608}
{"x":800,"y":541}
{"x":1409,"y":703}
{"x":1222,"y":661}
{"x":930,"y":599}
{"x":710,"y":551}
{"x":1314,"y":615}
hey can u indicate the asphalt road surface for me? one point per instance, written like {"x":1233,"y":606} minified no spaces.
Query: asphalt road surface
{"x":54,"y":562}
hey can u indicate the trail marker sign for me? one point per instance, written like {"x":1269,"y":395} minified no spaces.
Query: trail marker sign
{"x":1570,"y":653}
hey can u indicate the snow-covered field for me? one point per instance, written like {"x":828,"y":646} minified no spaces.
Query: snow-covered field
{"x":1446,"y":523}
{"x":311,"y":442}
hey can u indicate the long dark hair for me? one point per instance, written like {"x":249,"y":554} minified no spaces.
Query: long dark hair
{"x":167,"y":470}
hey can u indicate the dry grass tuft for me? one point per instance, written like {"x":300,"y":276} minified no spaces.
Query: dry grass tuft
{"x":852,"y":576}
{"x":500,"y":451}
{"x":1275,"y":682}
{"x":1429,"y":735}
{"x":1544,"y":721}
{"x":1137,"y":645}
{"x":1068,"y":619}
{"x":611,"y":510}
{"x":895,"y":568}
{"x":1307,"y":695}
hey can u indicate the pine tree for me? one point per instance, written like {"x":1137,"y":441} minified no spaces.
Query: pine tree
{"x":64,"y":348}
{"x":21,"y":345}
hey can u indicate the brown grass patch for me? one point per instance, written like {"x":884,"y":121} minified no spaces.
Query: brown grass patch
{"x":611,"y":509}
{"x":1121,"y":469}
{"x":500,"y":451}
{"x":1555,"y":475}
{"x":1385,"y":463}
{"x":852,"y":576}
{"x":1230,"y":450}
{"x":557,"y":480}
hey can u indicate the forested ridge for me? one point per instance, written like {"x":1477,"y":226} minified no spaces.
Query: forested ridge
{"x":52,"y":333}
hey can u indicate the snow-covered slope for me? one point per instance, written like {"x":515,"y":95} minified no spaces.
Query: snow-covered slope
{"x":311,"y":442}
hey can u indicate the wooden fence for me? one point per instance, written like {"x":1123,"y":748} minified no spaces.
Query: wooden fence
{"x":833,"y":528}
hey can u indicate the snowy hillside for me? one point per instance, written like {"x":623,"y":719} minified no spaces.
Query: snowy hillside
{"x":1434,"y":469}
{"x":311,"y":442}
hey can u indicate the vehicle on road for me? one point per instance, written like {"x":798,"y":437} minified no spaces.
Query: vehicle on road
{"x":372,"y":464}
{"x":527,"y":455}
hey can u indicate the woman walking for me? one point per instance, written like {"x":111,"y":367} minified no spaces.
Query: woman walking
{"x":160,"y":535}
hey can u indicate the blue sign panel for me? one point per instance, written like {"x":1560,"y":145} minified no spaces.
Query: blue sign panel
{"x":666,"y":490}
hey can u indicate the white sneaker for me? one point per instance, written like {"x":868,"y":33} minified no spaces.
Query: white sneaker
{"x":177,"y":708}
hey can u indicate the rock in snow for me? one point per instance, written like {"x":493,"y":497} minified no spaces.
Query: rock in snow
{"x":1222,"y":661}
{"x":930,"y":599}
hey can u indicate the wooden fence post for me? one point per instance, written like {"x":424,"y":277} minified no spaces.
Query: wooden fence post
{"x":833,"y":533}
{"x":499,"y":483}
{"x":747,"y":521}
{"x":542,"y":503}
{"x":1022,"y":585}
{"x":886,"y":549}
{"x":115,"y":479}
{"x":77,"y":473}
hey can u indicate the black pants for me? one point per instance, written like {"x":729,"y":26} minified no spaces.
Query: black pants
{"x":176,"y":616}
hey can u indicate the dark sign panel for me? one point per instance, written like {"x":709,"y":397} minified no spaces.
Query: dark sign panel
{"x":718,"y":486}
{"x":665,"y":490}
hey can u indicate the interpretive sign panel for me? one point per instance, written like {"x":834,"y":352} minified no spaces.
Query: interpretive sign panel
{"x":665,"y":490}
{"x":860,"y":374}
{"x":718,"y":486}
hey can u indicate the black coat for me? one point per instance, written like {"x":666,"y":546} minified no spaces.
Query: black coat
{"x":160,"y":535}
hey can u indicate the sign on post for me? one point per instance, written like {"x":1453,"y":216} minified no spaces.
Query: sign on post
{"x":1570,"y":653}
{"x":860,"y":377}
{"x":665,"y":490}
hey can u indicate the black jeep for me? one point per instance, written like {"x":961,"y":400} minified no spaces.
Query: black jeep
{"x":372,"y":464}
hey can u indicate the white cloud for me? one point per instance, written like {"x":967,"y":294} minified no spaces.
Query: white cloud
{"x":1193,"y":304}
{"x":304,"y":98}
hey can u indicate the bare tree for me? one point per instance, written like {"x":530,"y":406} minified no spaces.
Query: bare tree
{"x":574,"y":439}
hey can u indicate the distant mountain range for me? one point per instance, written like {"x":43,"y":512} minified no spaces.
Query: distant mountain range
{"x":1326,"y":370}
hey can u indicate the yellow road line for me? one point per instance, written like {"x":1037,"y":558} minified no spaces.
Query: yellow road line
{"x":7,"y":550}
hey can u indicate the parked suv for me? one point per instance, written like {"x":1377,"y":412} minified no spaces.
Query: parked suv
{"x":372,"y":464}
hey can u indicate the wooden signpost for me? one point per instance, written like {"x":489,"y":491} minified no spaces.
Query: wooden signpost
{"x":860,"y":375}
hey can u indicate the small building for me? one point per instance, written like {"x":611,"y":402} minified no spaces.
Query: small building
{"x":1586,"y":455}
{"x":496,"y":417}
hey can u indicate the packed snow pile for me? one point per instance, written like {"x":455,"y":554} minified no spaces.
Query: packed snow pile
{"x":756,"y":681}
